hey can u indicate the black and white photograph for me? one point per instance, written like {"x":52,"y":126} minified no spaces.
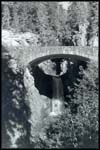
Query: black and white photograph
{"x":49,"y":72}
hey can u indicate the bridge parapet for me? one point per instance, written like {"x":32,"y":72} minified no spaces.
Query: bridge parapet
{"x":24,"y":55}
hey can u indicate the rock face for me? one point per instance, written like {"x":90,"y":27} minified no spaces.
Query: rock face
{"x":10,"y":38}
{"x":48,"y":67}
{"x":38,"y":104}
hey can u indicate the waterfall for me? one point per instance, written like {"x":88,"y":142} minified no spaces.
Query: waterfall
{"x":57,"y":88}
{"x":57,"y":96}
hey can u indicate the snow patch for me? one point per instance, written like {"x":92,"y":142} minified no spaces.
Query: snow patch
{"x":65,"y":5}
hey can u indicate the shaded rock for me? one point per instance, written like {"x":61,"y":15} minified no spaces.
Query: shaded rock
{"x":37,"y":103}
{"x":48,"y":67}
{"x":10,"y":38}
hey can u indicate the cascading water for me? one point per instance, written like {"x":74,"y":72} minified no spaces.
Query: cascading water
{"x":57,"y":96}
{"x":57,"y":88}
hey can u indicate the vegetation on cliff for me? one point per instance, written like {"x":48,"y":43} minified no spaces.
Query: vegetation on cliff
{"x":76,"y":130}
{"x":14,"y":110}
{"x":55,"y":26}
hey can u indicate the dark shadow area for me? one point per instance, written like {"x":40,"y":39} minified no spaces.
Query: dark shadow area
{"x":11,"y":91}
{"x":71,"y":77}
{"x":39,"y":60}
{"x":43,"y":82}
{"x":67,"y":42}
{"x":57,"y":61}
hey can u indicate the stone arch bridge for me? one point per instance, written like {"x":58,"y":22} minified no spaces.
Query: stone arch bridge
{"x":30,"y":54}
{"x":24,"y":56}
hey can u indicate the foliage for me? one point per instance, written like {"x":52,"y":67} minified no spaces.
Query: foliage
{"x":6,"y":17}
{"x":92,"y":29}
{"x":14,"y":109}
{"x":78,"y":130}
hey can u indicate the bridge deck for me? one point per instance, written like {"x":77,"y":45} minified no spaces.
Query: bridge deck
{"x":24,"y":55}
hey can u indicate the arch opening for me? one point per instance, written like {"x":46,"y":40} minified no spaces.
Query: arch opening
{"x":45,"y":82}
{"x":36,"y":61}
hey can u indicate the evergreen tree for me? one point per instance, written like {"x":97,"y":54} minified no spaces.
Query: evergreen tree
{"x":15,"y":17}
{"x":23,"y":16}
{"x":77,"y":22}
{"x":92,"y":30}
{"x":6,"y":17}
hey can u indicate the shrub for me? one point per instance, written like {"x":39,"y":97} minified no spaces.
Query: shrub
{"x":79,"y":130}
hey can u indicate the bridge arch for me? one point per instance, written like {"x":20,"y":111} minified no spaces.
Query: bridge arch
{"x":38,"y":54}
{"x":26,"y":55}
{"x":37,"y":61}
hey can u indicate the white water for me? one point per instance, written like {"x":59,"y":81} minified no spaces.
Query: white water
{"x":57,"y":96}
{"x":57,"y":88}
